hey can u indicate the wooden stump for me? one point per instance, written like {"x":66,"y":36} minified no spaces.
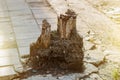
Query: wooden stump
{"x":58,"y":49}
{"x":44,"y":40}
{"x":67,"y":24}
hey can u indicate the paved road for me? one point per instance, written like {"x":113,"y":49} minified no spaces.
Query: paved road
{"x":20,"y":25}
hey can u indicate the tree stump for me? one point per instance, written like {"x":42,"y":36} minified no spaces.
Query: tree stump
{"x":67,"y":24}
{"x":61,"y":49}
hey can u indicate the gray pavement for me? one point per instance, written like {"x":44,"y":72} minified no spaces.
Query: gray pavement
{"x":20,"y":25}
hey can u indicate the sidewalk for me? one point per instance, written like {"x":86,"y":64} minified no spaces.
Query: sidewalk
{"x":20,"y":25}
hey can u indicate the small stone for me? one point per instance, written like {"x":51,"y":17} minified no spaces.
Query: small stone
{"x":61,"y":77}
{"x":112,"y":55}
{"x":48,"y":72}
{"x":19,"y":68}
{"x":89,"y":38}
{"x":49,"y":75}
{"x":34,"y":71}
{"x":89,"y":68}
{"x":51,"y":78}
{"x":95,"y":77}
{"x":113,"y":58}
{"x":94,"y":57}
{"x":88,"y":45}
{"x":98,"y":42}
{"x":66,"y":77}
{"x":87,"y":79}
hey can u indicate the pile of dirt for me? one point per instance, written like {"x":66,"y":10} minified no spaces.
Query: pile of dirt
{"x":62,"y":54}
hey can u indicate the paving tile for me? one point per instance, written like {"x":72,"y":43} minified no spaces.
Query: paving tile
{"x":42,"y":8}
{"x":23,"y":20}
{"x":23,"y":17}
{"x":34,"y":0}
{"x":8,"y":56}
{"x":22,"y":12}
{"x":62,"y":6}
{"x":6,"y":71}
{"x":18,"y":68}
{"x":27,"y":35}
{"x":25,"y":42}
{"x":7,"y":40}
{"x":8,"y":52}
{"x":5,"y":61}
{"x":11,"y":60}
{"x":73,"y":2}
{"x":27,"y":29}
{"x":16,"y":61}
{"x":4,"y":14}
{"x":3,"y":6}
{"x":37,"y":4}
{"x":43,"y":14}
{"x":4,"y":19}
{"x":12,"y":4}
{"x":6,"y":37}
{"x":24,"y":51}
{"x":8,"y":44}
{"x":11,"y":1}
{"x":5,"y":27}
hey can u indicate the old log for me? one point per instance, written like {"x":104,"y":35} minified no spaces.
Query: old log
{"x":61,"y":49}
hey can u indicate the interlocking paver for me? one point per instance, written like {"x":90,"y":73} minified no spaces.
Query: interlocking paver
{"x":25,"y":42}
{"x":5,"y":27}
{"x":8,"y":52}
{"x":27,"y":35}
{"x":23,"y":20}
{"x":3,"y":6}
{"x":23,"y":12}
{"x":7,"y":38}
{"x":27,"y":28}
{"x":6,"y":71}
{"x":43,"y":14}
{"x":4,"y":14}
{"x":20,"y":4}
{"x":62,"y":6}
{"x":24,"y":51}
{"x":5,"y":61}
{"x":9,"y":60}
{"x":4,"y":19}
{"x":36,"y":4}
